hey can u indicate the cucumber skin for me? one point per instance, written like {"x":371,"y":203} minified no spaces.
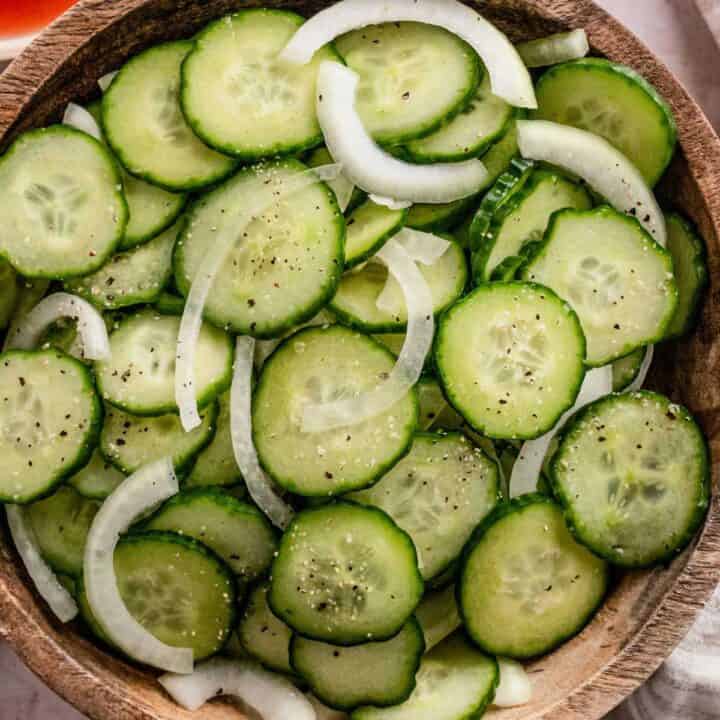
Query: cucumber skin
{"x":575,"y":525}
{"x":502,"y":511}
{"x":379,"y":242}
{"x":138,"y":240}
{"x":445,"y":217}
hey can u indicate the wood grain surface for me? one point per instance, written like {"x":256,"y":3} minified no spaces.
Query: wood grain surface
{"x":646,"y":614}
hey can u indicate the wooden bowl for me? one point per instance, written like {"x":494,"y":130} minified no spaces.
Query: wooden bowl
{"x":647,"y":613}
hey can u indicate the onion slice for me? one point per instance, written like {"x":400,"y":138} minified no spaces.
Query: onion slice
{"x":140,"y":492}
{"x":259,"y":485}
{"x":391,"y":203}
{"x":418,"y":340}
{"x":640,"y":378}
{"x":90,"y":324}
{"x":343,"y":189}
{"x":45,"y":580}
{"x":526,"y":471}
{"x":80,"y":119}
{"x":515,"y":687}
{"x":233,"y":228}
{"x":597,"y":162}
{"x":271,"y":695}
{"x":106,"y":80}
{"x":554,"y":49}
{"x":509,"y":77}
{"x":370,"y":167}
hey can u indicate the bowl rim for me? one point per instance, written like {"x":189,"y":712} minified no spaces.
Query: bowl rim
{"x":695,"y":582}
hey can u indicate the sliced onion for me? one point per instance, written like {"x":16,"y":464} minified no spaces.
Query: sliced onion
{"x":271,"y":695}
{"x":640,"y":378}
{"x":140,"y":492}
{"x":371,"y":168}
{"x":233,"y":227}
{"x":45,"y":580}
{"x":106,"y":80}
{"x":597,"y":162}
{"x":90,"y":324}
{"x":323,"y":712}
{"x":509,"y":77}
{"x":259,"y":485}
{"x":515,"y":687}
{"x":418,"y":340}
{"x":343,"y":189}
{"x":554,"y":49}
{"x":526,"y":471}
{"x":391,"y":203}
{"x":80,"y":119}
{"x":438,"y":616}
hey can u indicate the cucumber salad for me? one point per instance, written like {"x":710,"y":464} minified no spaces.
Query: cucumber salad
{"x":325,"y":347}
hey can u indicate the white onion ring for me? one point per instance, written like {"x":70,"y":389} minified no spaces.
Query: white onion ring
{"x":343,"y":189}
{"x":106,"y":80}
{"x":192,"y":318}
{"x":640,"y":378}
{"x":509,"y":77}
{"x":418,"y":340}
{"x":259,"y":485}
{"x":141,"y":491}
{"x":369,"y":166}
{"x":271,"y":695}
{"x":554,"y":49}
{"x":90,"y":324}
{"x":515,"y":687}
{"x":48,"y":586}
{"x":80,"y":119}
{"x":390,"y":203}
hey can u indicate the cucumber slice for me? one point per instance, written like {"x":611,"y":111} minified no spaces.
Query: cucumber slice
{"x":61,"y":188}
{"x":413,"y":77}
{"x":691,"y":273}
{"x":455,"y":682}
{"x":60,"y":524}
{"x":168,"y":303}
{"x":216,"y":464}
{"x":98,"y":479}
{"x":355,"y":302}
{"x":615,"y":276}
{"x":236,"y":531}
{"x":523,"y":218}
{"x":130,"y":278}
{"x":262,"y":634}
{"x":379,"y":673}
{"x":468,"y":134}
{"x":9,"y":292}
{"x":525,"y":585}
{"x":614,"y":102}
{"x":320,"y":364}
{"x":177,"y":589}
{"x":438,"y":218}
{"x":287,"y":264}
{"x":139,"y":377}
{"x":438,"y":493}
{"x":345,"y":574}
{"x":131,"y":441}
{"x":29,"y":294}
{"x":438,"y":616}
{"x":510,"y":359}
{"x":146,"y":129}
{"x":368,"y":228}
{"x":50,"y":417}
{"x":626,"y":369}
{"x":632,"y":472}
{"x":239,"y":98}
{"x":432,"y":401}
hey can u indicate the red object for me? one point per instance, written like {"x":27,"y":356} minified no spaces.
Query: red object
{"x":18,"y":17}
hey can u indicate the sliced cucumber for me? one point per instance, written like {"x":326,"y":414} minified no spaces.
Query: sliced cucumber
{"x":132,"y":277}
{"x":319,"y":364}
{"x":50,"y":417}
{"x":355,"y":302}
{"x":615,"y":276}
{"x":177,"y":589}
{"x":216,"y":464}
{"x":368,"y":228}
{"x":632,"y":472}
{"x":468,"y":134}
{"x":284,"y":267}
{"x":510,"y":359}
{"x":378,"y":673}
{"x":140,"y":375}
{"x":438,"y":493}
{"x":9,"y":292}
{"x":29,"y":294}
{"x":455,"y":682}
{"x":146,"y":129}
{"x":345,"y":574}
{"x":615,"y":102}
{"x":60,"y":524}
{"x":262,"y":634}
{"x":168,"y":303}
{"x":61,"y":188}
{"x":523,"y":218}
{"x":625,"y":369}
{"x":438,"y":218}
{"x":131,"y":441}
{"x":691,"y":273}
{"x":525,"y":585}
{"x":413,"y":77}
{"x":239,"y":98}
{"x":98,"y":479}
{"x":431,"y":399}
{"x":438,"y":616}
